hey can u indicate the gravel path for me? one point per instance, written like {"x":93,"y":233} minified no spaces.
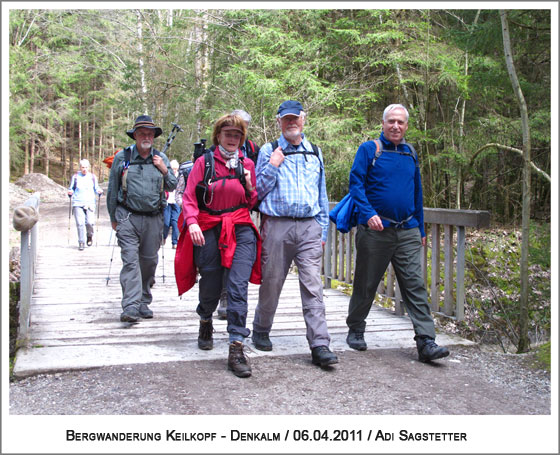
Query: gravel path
{"x":470,"y":381}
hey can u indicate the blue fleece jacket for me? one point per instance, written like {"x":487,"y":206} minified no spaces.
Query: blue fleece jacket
{"x":391,"y":189}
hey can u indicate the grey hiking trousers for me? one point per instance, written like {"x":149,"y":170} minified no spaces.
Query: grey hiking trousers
{"x":139,"y":238}
{"x":283,"y":240}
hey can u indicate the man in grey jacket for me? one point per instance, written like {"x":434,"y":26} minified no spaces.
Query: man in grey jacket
{"x":139,"y":177}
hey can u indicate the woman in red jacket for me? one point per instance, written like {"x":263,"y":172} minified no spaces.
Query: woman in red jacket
{"x":224,"y":240}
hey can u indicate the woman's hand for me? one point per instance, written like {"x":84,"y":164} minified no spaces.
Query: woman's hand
{"x":196,"y":234}
{"x":248,"y":184}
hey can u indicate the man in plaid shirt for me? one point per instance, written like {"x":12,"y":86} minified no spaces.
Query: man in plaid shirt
{"x":292,"y":188}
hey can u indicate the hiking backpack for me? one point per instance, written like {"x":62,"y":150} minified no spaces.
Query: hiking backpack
{"x":124,"y":173}
{"x":75,"y":179}
{"x":313,"y":146}
{"x":203,"y":186}
{"x":379,"y":150}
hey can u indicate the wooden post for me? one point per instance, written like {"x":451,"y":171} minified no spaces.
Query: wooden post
{"x":327,"y":258}
{"x":434,"y":291}
{"x":348,"y":272}
{"x":448,"y":271}
{"x":341,"y":275}
{"x":460,"y":306}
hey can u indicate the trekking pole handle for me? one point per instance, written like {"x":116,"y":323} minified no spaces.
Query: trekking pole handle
{"x":176,"y":128}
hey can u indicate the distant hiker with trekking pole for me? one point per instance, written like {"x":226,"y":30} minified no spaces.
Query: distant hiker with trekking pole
{"x":139,"y":177}
{"x":83,"y":192}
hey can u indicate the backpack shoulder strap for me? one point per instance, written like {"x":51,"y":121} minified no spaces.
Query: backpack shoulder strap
{"x":239,"y":170}
{"x":378,"y":151}
{"x":315,"y":149}
{"x":209,"y":170}
{"x":414,"y":153}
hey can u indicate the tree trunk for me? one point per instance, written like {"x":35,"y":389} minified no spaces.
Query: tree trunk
{"x":523,"y":343}
{"x":32,"y":156}
{"x":141,"y":61}
{"x":26,"y":159}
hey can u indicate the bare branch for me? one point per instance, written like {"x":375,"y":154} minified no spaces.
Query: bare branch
{"x":514,"y":150}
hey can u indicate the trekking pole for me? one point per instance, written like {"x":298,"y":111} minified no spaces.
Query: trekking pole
{"x":111,"y":263}
{"x":69,"y":215}
{"x":176,"y":128}
{"x":163,"y":257}
{"x":97,"y":228}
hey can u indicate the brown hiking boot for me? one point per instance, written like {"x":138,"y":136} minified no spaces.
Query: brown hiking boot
{"x":237,"y":361}
{"x":205,"y":341}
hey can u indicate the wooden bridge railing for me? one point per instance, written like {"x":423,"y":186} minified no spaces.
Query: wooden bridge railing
{"x":339,"y":259}
{"x":28,"y":256}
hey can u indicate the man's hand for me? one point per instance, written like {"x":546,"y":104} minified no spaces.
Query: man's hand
{"x":277,"y":157}
{"x":160,"y":164}
{"x":424,"y":241}
{"x":114,"y":225}
{"x":196,"y":234}
{"x":375,"y":223}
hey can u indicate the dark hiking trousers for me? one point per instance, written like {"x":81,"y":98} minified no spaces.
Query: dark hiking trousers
{"x":375,"y":250}
{"x":208,"y":260}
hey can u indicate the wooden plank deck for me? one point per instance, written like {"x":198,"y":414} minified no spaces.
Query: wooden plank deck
{"x":75,"y":315}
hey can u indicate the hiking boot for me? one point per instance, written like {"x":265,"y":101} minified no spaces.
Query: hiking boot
{"x":81,"y":246}
{"x":262,"y":341}
{"x":323,"y":356}
{"x":237,"y":361}
{"x":205,"y":341}
{"x":89,"y":240}
{"x":222,"y":308}
{"x":428,"y":350}
{"x":356,"y":340}
{"x":145,"y":311}
{"x":130,"y":314}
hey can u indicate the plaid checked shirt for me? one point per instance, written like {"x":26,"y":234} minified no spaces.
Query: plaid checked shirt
{"x":295,"y":189}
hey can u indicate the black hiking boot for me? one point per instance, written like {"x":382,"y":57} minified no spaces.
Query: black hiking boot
{"x":81,"y":246}
{"x":356,"y":340}
{"x":130,"y":314}
{"x":205,"y":340}
{"x":323,"y":356}
{"x":428,"y":350}
{"x":238,"y":361}
{"x":145,"y":311}
{"x":89,"y":240}
{"x":262,"y":341}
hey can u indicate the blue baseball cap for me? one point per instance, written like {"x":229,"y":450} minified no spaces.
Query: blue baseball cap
{"x":290,"y":108}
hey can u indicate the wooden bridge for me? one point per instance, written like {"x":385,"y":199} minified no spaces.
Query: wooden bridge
{"x":74,"y":311}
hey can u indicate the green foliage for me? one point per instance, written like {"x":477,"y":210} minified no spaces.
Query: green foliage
{"x":83,"y":68}
{"x":543,"y":356}
{"x":493,"y":283}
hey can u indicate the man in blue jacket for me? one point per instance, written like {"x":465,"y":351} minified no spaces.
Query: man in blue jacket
{"x":387,"y":191}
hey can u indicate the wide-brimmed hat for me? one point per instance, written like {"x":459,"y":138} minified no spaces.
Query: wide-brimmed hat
{"x":144,"y":121}
{"x":290,"y":107}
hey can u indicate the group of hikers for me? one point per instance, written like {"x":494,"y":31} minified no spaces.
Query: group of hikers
{"x":214,"y":206}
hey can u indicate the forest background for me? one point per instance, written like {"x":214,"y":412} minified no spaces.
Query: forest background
{"x":79,"y":78}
